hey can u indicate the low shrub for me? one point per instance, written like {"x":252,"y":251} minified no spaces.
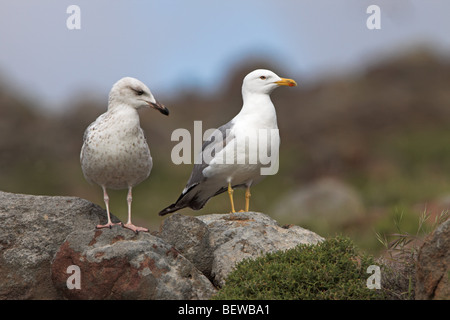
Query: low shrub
{"x":332,"y":269}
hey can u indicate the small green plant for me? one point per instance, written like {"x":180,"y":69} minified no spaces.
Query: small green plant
{"x":332,"y":269}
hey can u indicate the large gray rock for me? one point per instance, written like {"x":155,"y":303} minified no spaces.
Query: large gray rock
{"x":119,"y":264}
{"x":249,"y":235}
{"x":232,"y":238}
{"x":31,"y":230}
{"x":192,"y":237}
{"x":433,"y":265}
{"x":41,"y":236}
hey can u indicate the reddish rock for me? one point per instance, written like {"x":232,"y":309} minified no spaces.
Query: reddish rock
{"x":433,"y":265}
{"x":118,"y":264}
{"x":31,"y":230}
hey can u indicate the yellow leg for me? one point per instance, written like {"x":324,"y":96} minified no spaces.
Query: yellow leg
{"x":247,"y":199}
{"x":230,"y":194}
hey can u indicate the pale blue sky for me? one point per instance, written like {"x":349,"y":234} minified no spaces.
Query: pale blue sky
{"x":175,"y":44}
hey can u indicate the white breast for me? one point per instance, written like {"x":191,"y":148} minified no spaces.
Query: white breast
{"x":115,"y":153}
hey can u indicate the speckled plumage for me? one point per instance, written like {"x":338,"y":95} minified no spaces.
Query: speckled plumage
{"x":115,"y":153}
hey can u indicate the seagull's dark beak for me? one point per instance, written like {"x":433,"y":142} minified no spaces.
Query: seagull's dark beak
{"x":159,"y":106}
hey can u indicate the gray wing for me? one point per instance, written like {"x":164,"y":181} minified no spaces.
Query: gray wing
{"x":210,"y":147}
{"x":85,"y":140}
{"x":189,"y":197}
{"x":88,"y":132}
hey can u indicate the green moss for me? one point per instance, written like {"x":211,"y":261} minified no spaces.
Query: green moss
{"x":332,"y":269}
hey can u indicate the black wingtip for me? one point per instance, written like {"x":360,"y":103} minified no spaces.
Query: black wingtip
{"x":168,"y":210}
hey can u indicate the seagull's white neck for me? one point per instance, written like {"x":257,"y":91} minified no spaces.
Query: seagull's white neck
{"x":125,"y":114}
{"x":257,"y":102}
{"x":121,"y":107}
{"x":258,"y":107}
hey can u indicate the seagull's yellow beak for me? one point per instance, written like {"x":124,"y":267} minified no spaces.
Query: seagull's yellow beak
{"x":286,"y":82}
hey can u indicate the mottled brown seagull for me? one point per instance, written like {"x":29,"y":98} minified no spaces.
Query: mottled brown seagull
{"x":115,"y":153}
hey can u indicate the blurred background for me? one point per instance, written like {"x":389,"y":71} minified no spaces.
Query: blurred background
{"x":365,"y":136}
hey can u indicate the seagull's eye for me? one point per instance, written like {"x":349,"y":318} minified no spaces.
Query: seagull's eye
{"x":263,"y":77}
{"x":139,"y":92}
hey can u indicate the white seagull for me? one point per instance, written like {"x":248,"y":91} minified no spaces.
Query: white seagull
{"x":115,"y":153}
{"x":227,"y":157}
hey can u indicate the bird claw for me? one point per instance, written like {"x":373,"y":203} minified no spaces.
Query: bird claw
{"x":134,"y":228}
{"x":108,"y":225}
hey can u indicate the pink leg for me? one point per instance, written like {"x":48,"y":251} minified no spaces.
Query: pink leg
{"x":109,"y":224}
{"x":129,"y":225}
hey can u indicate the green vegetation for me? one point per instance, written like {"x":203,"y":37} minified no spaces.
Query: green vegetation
{"x":332,"y":269}
{"x":335,"y":269}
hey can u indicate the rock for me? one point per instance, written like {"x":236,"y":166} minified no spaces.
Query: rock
{"x":249,"y":235}
{"x":326,"y":205}
{"x":41,"y":236}
{"x":31,"y":230}
{"x":190,"y":236}
{"x":433,"y":265}
{"x":118,"y":264}
{"x":222,"y":240}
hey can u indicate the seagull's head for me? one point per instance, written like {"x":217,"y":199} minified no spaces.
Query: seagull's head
{"x":264,"y":81}
{"x":132,"y":92}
